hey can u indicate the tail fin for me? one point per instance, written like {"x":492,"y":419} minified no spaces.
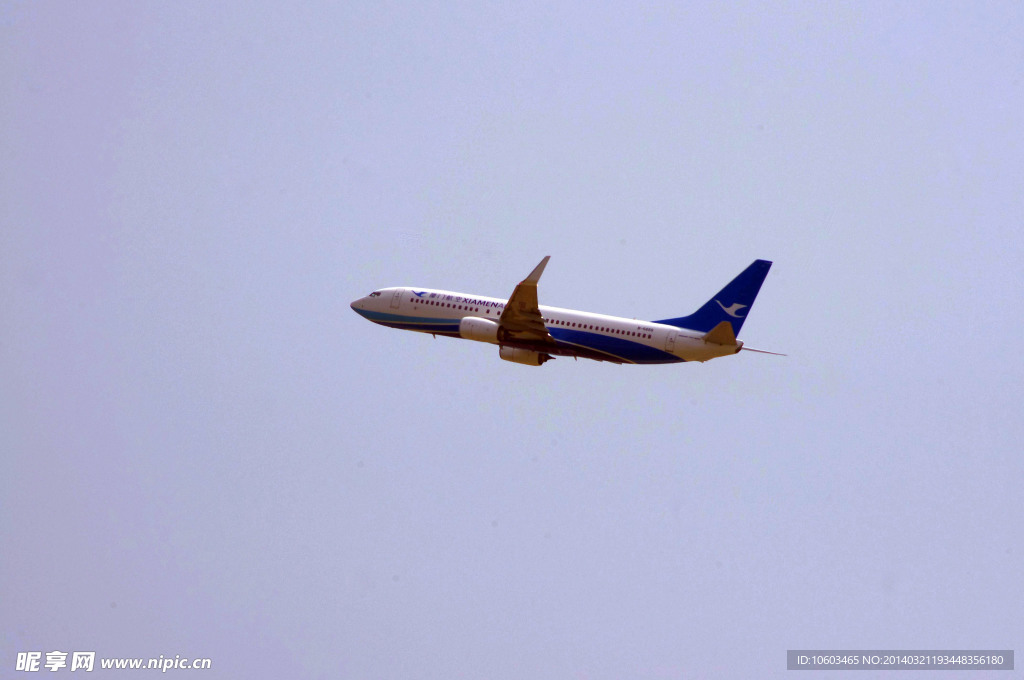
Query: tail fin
{"x":731,"y":304}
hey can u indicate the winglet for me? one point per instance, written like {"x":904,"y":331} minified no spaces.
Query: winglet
{"x":721,"y":334}
{"x":534,"y":276}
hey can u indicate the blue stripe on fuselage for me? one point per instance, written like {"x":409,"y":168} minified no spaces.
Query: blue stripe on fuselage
{"x":426,"y":324}
{"x":568,"y":339}
{"x":626,"y":350}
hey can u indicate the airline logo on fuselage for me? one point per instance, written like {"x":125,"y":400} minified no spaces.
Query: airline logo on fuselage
{"x":458,"y":299}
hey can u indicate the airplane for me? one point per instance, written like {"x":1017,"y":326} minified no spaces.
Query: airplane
{"x":531,"y":334}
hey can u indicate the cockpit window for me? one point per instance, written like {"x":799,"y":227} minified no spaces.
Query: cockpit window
{"x":375,"y":293}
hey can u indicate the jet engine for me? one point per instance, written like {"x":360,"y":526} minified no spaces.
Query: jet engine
{"x":523,"y":356}
{"x":481,"y":330}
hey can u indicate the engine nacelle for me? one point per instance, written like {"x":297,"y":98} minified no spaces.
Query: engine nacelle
{"x":523,"y":356}
{"x":481,"y":330}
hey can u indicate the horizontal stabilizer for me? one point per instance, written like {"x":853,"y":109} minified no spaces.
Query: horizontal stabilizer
{"x":721,"y":334}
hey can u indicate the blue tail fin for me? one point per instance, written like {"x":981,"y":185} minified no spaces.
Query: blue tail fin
{"x":731,"y":304}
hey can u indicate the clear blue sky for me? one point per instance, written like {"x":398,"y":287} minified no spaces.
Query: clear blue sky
{"x":206,"y":453}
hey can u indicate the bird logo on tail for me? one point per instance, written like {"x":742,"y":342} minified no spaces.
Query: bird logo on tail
{"x":732,"y":309}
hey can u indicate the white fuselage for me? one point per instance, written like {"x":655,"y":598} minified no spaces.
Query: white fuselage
{"x":577,"y":333}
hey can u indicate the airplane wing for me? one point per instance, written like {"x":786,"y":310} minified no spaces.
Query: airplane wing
{"x":521,"y":321}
